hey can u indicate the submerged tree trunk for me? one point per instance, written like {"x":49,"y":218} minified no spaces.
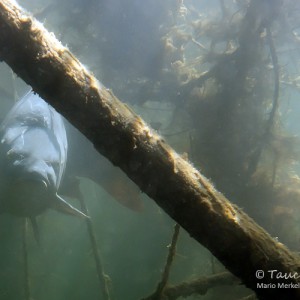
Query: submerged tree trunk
{"x":128,"y":142}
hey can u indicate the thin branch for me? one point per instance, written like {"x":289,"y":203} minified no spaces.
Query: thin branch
{"x":271,"y":121}
{"x":102,"y":277}
{"x":25,"y":259}
{"x":250,"y":297}
{"x":159,"y":293}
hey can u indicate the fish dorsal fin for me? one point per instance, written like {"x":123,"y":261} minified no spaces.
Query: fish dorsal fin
{"x":59,"y":204}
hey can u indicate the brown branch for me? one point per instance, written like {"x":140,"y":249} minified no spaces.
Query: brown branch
{"x":160,"y":291}
{"x":250,"y":297}
{"x":102,"y":277}
{"x":27,"y":289}
{"x":274,"y":58}
{"x":271,"y":121}
{"x":199,"y":286}
{"x":126,"y":140}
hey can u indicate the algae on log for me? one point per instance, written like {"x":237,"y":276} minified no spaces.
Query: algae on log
{"x":127,"y":141}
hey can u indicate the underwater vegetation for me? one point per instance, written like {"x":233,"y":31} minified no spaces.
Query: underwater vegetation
{"x":219,"y":80}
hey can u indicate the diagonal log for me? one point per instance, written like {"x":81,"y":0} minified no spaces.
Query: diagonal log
{"x":128,"y":142}
{"x":199,"y":286}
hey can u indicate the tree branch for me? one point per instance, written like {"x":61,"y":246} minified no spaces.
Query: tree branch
{"x":199,"y":286}
{"x":160,"y":290}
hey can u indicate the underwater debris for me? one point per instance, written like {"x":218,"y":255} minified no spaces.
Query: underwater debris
{"x":102,"y":277}
{"x":198,"y":286}
{"x":162,"y":286}
{"x":25,"y":258}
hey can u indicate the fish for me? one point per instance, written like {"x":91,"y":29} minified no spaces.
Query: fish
{"x":33,"y":156}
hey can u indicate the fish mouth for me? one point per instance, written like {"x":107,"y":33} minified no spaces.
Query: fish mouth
{"x":37,"y":182}
{"x":33,"y":177}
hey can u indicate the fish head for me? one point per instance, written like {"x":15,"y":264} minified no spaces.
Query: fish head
{"x":33,"y":154}
{"x":24,"y":165}
{"x":29,"y":184}
{"x":33,"y":148}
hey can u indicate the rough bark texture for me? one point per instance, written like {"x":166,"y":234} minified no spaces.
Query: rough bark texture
{"x":122,"y":136}
{"x":198,"y":286}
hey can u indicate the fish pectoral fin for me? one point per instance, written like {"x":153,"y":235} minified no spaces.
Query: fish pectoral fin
{"x":59,"y":204}
{"x":35,"y":229}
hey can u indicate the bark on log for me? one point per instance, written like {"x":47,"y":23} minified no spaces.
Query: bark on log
{"x":199,"y":286}
{"x":123,"y":137}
